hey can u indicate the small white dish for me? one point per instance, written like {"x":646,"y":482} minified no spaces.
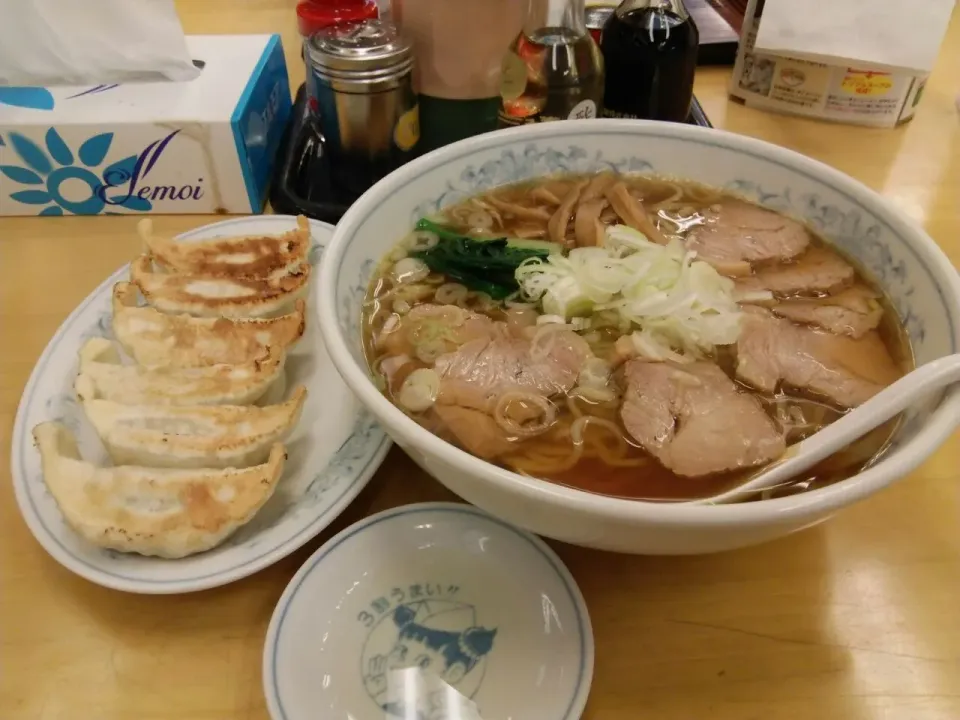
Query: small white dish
{"x":332,"y":454}
{"x":478,"y":604}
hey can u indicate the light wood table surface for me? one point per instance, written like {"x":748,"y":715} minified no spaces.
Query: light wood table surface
{"x":856,"y":619}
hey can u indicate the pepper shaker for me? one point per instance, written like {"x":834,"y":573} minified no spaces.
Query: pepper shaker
{"x":360,"y":75}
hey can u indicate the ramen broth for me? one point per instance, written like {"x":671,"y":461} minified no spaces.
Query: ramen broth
{"x":600,"y":455}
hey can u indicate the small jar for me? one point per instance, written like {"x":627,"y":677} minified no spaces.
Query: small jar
{"x":361,"y":78}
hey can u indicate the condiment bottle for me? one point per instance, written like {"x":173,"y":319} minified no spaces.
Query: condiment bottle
{"x":650,"y":51}
{"x":596,"y":17}
{"x":361,"y":76}
{"x":553,"y":70}
{"x":315,"y":15}
{"x":458,"y":46}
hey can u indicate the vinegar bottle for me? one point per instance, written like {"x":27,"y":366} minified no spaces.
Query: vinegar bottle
{"x":553,"y":70}
{"x":650,"y":53}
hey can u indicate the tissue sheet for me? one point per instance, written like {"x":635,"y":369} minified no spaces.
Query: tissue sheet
{"x":891,"y":34}
{"x":89,"y":42}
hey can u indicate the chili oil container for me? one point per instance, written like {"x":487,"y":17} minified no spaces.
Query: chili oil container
{"x":360,"y":75}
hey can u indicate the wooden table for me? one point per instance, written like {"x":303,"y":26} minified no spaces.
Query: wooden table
{"x":853,"y":620}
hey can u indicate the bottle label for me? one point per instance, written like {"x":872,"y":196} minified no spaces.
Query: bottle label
{"x":406,"y":133}
{"x":583,"y":110}
{"x":507,"y":120}
{"x":513,"y":78}
{"x":608,"y":113}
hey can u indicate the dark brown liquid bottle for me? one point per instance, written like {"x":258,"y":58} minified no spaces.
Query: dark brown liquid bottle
{"x":650,"y":53}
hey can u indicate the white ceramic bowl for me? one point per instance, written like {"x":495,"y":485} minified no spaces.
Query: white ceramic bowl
{"x":482,"y":608}
{"x":915,"y":273}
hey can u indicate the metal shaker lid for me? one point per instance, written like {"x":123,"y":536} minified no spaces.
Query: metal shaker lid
{"x":368,"y":47}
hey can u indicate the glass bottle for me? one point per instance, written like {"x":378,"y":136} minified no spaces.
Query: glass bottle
{"x":553,"y":70}
{"x":458,"y":49}
{"x":650,"y":54}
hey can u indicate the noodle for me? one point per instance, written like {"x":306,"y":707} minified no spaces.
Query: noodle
{"x":674,"y":196}
{"x":557,"y":452}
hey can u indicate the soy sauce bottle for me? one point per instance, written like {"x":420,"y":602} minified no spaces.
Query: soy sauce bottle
{"x":650,"y":53}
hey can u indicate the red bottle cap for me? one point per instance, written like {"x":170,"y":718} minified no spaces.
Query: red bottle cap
{"x":315,"y":15}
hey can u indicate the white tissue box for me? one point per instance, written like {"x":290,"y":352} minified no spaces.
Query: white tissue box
{"x":834,"y":89}
{"x":204,"y":146}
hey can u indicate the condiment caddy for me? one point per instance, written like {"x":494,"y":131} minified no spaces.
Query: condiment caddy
{"x":366,"y":79}
{"x":302,"y":183}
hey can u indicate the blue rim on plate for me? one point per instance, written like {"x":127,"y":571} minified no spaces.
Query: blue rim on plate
{"x":361,"y":454}
{"x":584,"y":679}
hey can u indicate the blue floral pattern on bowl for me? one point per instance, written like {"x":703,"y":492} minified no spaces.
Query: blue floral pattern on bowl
{"x":849,"y":227}
{"x":910,"y":278}
{"x":530,"y":162}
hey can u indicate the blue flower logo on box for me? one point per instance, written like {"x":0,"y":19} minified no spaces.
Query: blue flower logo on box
{"x":39,"y":98}
{"x":35,"y":98}
{"x":423,"y":626}
{"x":77,"y":182}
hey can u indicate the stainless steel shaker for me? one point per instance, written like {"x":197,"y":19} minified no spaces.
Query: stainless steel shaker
{"x":360,"y":81}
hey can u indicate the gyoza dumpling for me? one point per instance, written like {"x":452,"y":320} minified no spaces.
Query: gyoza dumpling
{"x":154,"y":338}
{"x":103,"y":377}
{"x":168,"y":513}
{"x":219,"y":296}
{"x":218,"y":436}
{"x":249,"y":256}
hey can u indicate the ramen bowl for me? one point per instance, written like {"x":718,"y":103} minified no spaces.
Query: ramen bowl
{"x":920,"y":281}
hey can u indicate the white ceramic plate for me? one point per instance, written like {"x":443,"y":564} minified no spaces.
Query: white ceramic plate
{"x":483,"y":607}
{"x":333,"y":453}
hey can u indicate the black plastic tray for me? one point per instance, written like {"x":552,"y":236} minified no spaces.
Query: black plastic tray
{"x":301,"y":157}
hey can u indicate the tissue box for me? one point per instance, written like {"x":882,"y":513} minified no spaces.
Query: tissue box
{"x":865,"y":95}
{"x":205,"y":146}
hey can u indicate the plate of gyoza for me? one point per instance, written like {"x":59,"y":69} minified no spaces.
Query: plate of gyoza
{"x":185,"y":428}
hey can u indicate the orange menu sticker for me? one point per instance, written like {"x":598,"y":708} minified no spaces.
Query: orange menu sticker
{"x":866,"y":82}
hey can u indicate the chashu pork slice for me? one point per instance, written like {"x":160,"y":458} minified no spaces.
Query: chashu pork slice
{"x":241,"y":257}
{"x":103,"y":376}
{"x":218,"y":436}
{"x":854,"y":311}
{"x":738,"y":234}
{"x":152,"y":511}
{"x":816,"y":271}
{"x":155,"y":338}
{"x":695,"y":420}
{"x":772,"y":351}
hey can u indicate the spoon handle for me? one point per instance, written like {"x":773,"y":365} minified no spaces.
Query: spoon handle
{"x":886,"y":404}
